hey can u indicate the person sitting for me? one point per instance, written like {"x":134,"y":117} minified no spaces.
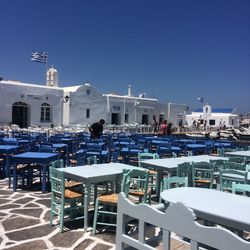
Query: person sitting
{"x":96,"y":129}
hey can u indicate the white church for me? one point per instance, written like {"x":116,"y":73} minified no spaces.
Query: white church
{"x":28,"y":104}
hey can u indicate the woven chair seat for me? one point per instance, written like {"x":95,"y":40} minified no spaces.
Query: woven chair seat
{"x":72,"y":194}
{"x":109,"y":199}
{"x":152,"y":172}
{"x":70,"y":184}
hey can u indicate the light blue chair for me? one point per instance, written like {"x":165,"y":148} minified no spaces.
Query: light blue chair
{"x":65,"y":203}
{"x":243,"y":188}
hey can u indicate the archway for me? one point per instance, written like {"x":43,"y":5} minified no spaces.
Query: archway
{"x":20,"y":114}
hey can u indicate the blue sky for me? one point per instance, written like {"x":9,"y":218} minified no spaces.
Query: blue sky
{"x":174,"y":50}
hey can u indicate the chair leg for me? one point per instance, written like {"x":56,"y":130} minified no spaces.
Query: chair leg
{"x":61,"y":215}
{"x":95,"y":216}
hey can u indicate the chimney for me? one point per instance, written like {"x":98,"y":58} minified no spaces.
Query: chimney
{"x":129,"y":90}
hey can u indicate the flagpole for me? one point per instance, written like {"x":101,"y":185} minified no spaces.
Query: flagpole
{"x":46,"y":68}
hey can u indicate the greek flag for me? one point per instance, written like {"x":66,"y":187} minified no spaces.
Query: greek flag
{"x":40,"y":57}
{"x":200,"y":99}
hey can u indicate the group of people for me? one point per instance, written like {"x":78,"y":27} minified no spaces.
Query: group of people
{"x":164,"y":128}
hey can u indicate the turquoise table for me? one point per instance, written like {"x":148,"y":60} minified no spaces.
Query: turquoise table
{"x":170,"y":164}
{"x":213,"y":205}
{"x":94,"y":174}
{"x":239,"y":154}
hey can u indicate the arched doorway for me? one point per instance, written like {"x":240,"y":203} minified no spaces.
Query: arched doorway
{"x":20,"y":114}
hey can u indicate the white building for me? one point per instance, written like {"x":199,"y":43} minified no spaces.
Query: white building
{"x":31,"y":104}
{"x":214,"y":117}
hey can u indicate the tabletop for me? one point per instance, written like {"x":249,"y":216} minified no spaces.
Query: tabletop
{"x":8,"y":147}
{"x":239,"y":153}
{"x":172,"y":163}
{"x":220,"y":207}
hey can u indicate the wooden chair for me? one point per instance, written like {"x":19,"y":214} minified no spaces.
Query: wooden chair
{"x":202,"y":174}
{"x":173,"y":182}
{"x":153,"y":175}
{"x":185,"y":170}
{"x":69,"y":184}
{"x":238,"y":159}
{"x":228,"y":176}
{"x":243,"y":188}
{"x":234,"y":165}
{"x":107,"y":204}
{"x":65,"y":203}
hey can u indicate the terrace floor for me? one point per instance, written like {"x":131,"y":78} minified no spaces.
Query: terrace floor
{"x":24,"y":224}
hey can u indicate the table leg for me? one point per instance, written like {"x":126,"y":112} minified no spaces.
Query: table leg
{"x":14,"y":177}
{"x":86,"y":205}
{"x":44,"y":179}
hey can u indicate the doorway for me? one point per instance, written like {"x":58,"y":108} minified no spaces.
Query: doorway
{"x":144,"y":119}
{"x":115,"y":119}
{"x":20,"y":114}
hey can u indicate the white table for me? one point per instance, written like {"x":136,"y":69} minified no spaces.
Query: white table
{"x":170,"y":164}
{"x":219,"y":207}
{"x":93,"y":174}
{"x":239,"y":154}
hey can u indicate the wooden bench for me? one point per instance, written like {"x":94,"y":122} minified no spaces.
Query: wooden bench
{"x":177,"y":219}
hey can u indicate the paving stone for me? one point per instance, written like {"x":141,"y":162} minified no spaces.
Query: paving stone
{"x":6,"y":192}
{"x":9,"y":206}
{"x":4,"y":201}
{"x":19,"y":222}
{"x":2,"y":214}
{"x":84,"y":244}
{"x":66,"y":239}
{"x":16,"y":196}
{"x":1,"y":239}
{"x":31,"y":204}
{"x":47,"y":216}
{"x":31,"y":212}
{"x":34,"y":232}
{"x":109,"y":237}
{"x":45,"y":202}
{"x":34,"y":245}
{"x":23,"y":200}
{"x":100,"y":246}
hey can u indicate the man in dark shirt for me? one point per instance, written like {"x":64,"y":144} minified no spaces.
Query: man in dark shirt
{"x":96,"y":129}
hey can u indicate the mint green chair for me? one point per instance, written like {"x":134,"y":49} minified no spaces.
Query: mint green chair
{"x":153,"y":175}
{"x":65,"y":203}
{"x":243,"y":188}
{"x":228,"y":176}
{"x":234,"y":165}
{"x":185,"y":170}
{"x":173,"y":182}
{"x":92,"y":160}
{"x":237,"y":159}
{"x":174,"y":155}
{"x":106,"y":205}
{"x":202,"y":174}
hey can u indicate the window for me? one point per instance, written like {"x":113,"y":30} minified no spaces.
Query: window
{"x":211,"y":122}
{"x":87,"y":113}
{"x":126,"y":118}
{"x":45,"y":112}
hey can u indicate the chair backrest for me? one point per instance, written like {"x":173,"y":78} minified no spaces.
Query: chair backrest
{"x":237,"y":159}
{"x":146,"y":156}
{"x":174,"y":155}
{"x":92,"y":160}
{"x":228,"y":176}
{"x":173,"y":182}
{"x":238,"y":187}
{"x":135,"y":180}
{"x":218,"y":164}
{"x":177,"y":219}
{"x":202,"y":171}
{"x":57,"y":164}
{"x":184,"y":169}
{"x":234,"y":165}
{"x":57,"y":180}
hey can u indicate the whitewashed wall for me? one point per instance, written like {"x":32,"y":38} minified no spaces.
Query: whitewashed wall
{"x":33,"y":96}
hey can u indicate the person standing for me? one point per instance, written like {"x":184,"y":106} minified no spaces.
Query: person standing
{"x":96,"y":129}
{"x":163,"y":127}
{"x":155,"y":126}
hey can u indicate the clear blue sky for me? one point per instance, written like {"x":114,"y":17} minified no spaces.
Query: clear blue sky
{"x":174,"y":50}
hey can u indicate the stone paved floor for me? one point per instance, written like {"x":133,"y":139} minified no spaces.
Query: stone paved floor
{"x":24,"y":224}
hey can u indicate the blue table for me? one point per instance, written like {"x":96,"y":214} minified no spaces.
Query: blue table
{"x":60,"y":147}
{"x":196,"y":147}
{"x":10,"y":141}
{"x":8,"y":150}
{"x":33,"y":158}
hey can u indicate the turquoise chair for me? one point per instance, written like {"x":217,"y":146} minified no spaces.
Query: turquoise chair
{"x":173,"y":182}
{"x":174,"y":155}
{"x":237,"y":159}
{"x":65,"y":203}
{"x":92,"y":160}
{"x":238,"y":187}
{"x":234,"y":165}
{"x":69,"y":184}
{"x":228,"y":176}
{"x":153,"y":175}
{"x":202,"y":174}
{"x":185,"y":170}
{"x":106,"y":205}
